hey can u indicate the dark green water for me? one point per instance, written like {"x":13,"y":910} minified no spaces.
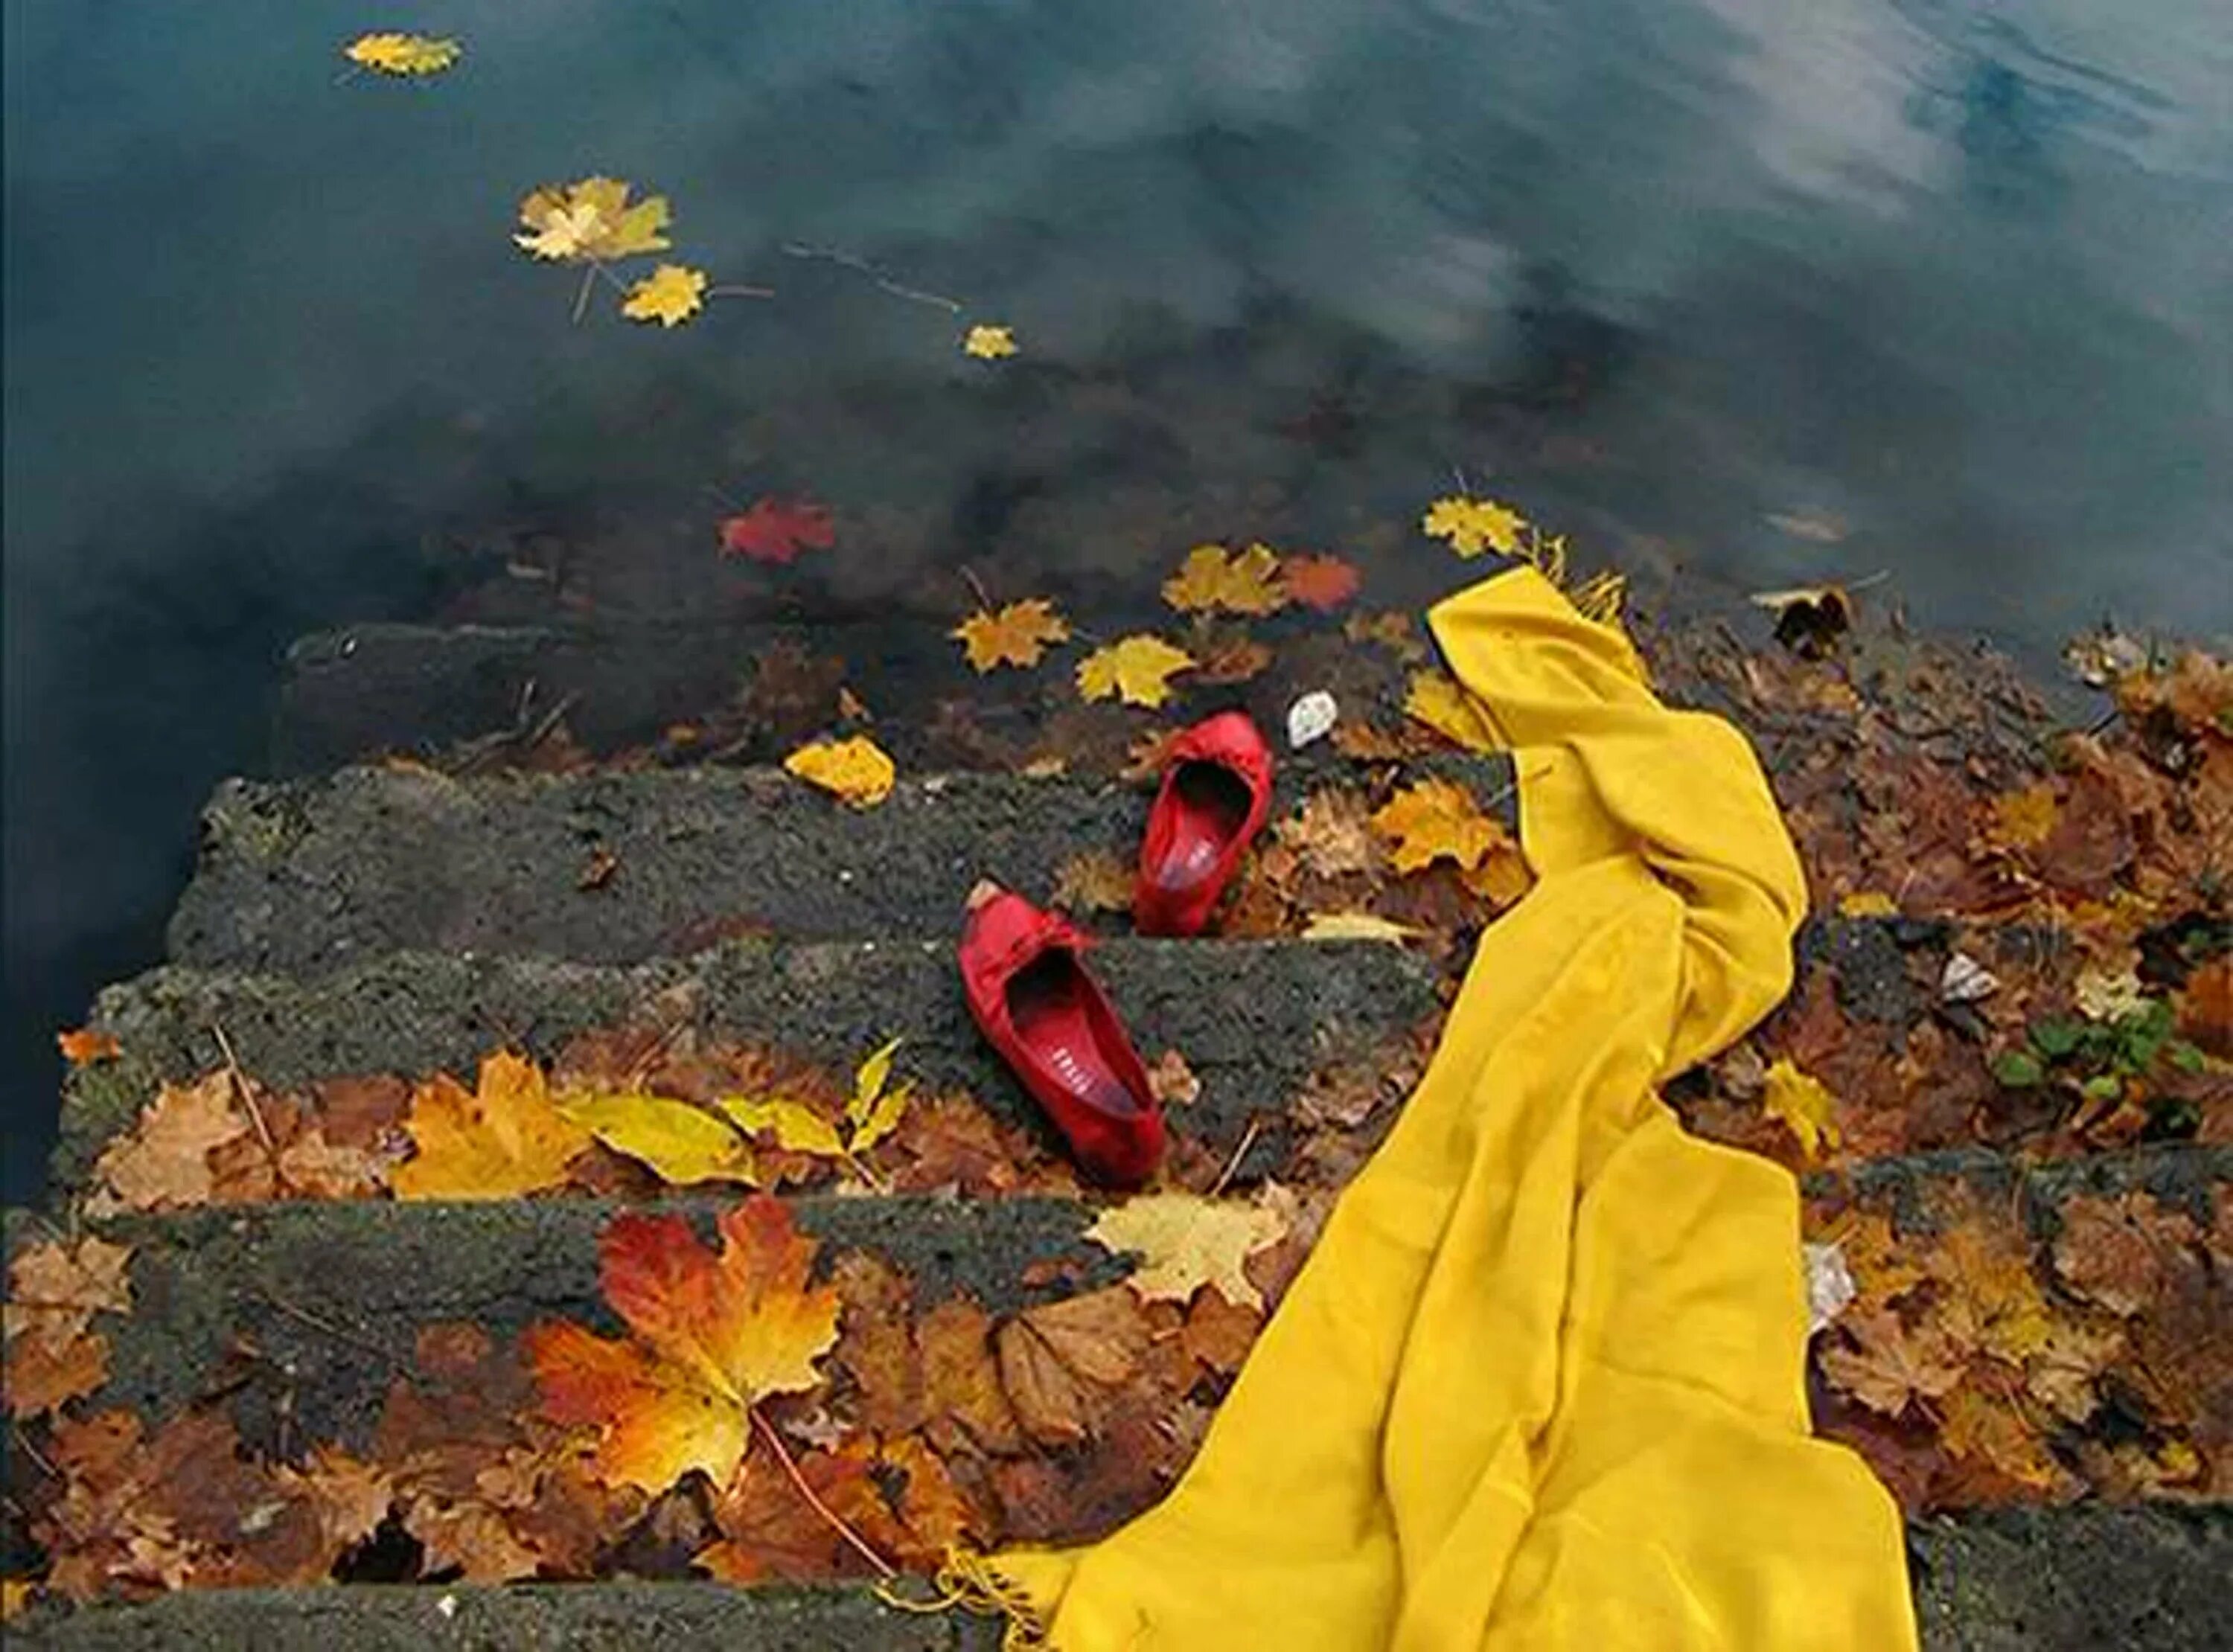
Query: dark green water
{"x":1762,"y":292}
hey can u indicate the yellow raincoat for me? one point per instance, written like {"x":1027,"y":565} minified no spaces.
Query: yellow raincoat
{"x":1540,"y":1384}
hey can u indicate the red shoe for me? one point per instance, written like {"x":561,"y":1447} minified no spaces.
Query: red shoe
{"x":1217,"y":790}
{"x":1031,"y":994}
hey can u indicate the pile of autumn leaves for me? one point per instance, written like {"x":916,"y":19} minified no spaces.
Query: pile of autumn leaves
{"x":769,"y":1412}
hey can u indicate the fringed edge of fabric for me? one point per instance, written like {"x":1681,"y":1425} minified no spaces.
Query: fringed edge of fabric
{"x":971,"y":1582}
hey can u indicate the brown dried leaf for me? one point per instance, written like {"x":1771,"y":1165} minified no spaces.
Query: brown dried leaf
{"x":1059,"y":1361}
{"x":470,"y":1537}
{"x":875,"y":1344}
{"x":1889,"y":1366}
{"x":962,"y":1393}
{"x":1333,"y":834}
{"x":2112,"y":1251}
{"x":1095,"y":881}
{"x":1171,"y":1082}
{"x":163,"y":1162}
{"x":1218,"y":1335}
{"x":349,"y":1497}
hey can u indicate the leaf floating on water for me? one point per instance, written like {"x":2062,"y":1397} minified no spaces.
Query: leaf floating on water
{"x":1318,"y":581}
{"x":989,"y":343}
{"x":1018,"y":634}
{"x":1137,"y":670}
{"x":1472,"y":526}
{"x":590,"y":221}
{"x":856,"y":769}
{"x":670,"y":295}
{"x":403,"y":54}
{"x":775,"y":530}
{"x":1244,"y":582}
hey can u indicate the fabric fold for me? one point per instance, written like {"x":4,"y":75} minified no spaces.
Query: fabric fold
{"x":1541,"y":1382}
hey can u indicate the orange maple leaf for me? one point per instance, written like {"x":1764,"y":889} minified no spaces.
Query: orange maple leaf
{"x":1015,"y":635}
{"x":1320,"y":582}
{"x":713,"y":1333}
{"x":498,"y":1141}
{"x":82,"y":1046}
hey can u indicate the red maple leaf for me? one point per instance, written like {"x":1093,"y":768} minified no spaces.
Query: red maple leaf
{"x":1322,"y":583}
{"x":776,"y":530}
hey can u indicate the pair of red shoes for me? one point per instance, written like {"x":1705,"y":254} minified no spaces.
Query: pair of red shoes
{"x":1027,"y":983}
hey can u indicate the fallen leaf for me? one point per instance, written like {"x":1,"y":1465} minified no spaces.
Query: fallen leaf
{"x":1017,"y":635}
{"x":83,"y":1046}
{"x":963,"y":1400}
{"x":794,"y":1127}
{"x":163,"y":1162}
{"x":681,"y":1144}
{"x":1502,"y":877}
{"x":2024,"y":819}
{"x":1218,"y":1334}
{"x":1436,"y":701}
{"x":770,"y":1532}
{"x":471,"y":1538}
{"x":1318,"y":581}
{"x":350,"y":1497}
{"x":1230,"y":658}
{"x":2205,"y":1006}
{"x":937,"y":1518}
{"x":776,"y":530}
{"x":590,"y":221}
{"x":1867,"y":904}
{"x":1985,"y":1427}
{"x":54,"y":1288}
{"x":1333,"y":834}
{"x":711,"y":1334}
{"x":1390,"y":629}
{"x":1059,"y":1361}
{"x":1211,"y":580}
{"x":405,"y":55}
{"x":2063,"y":1374}
{"x":1185,"y":1242}
{"x":2112,"y":1251}
{"x":670,"y":295}
{"x":1988,"y":1299}
{"x":1357,"y":926}
{"x":1432,"y":819}
{"x":876,"y":1108}
{"x":1803,"y":1105}
{"x":1097,"y":881}
{"x":875,"y":1343}
{"x":989,"y":343}
{"x":2108,"y":995}
{"x":43,"y":1373}
{"x":1888,"y":1367}
{"x":502,"y":1140}
{"x":1171,"y":1082}
{"x":1137,"y":670}
{"x":1472,"y":525}
{"x":855,"y":769}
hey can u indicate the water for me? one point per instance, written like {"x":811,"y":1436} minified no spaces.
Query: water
{"x":1758,"y":291}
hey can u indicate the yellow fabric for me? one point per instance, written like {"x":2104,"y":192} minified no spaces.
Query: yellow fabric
{"x":1540,"y":1384}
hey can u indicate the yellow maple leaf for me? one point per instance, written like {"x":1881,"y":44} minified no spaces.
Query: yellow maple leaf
{"x":1137,"y":670}
{"x":1018,"y":634}
{"x":680,"y":1143}
{"x":855,"y":769}
{"x":591,"y":219}
{"x":499,"y":1141}
{"x":1433,"y":818}
{"x":1804,"y":1104}
{"x":989,"y":343}
{"x":709,"y":1337}
{"x":1243,"y":582}
{"x":1436,"y":701}
{"x":1472,"y":525}
{"x":1185,"y":1241}
{"x":670,"y":295}
{"x":399,"y":54}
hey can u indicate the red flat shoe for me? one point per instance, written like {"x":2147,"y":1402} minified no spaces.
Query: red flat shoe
{"x":1031,"y":995}
{"x":1216,"y":791}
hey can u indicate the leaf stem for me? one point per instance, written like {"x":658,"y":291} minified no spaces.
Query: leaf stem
{"x":884,"y":1568}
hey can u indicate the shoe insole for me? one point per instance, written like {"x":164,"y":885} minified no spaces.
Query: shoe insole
{"x":1212,"y":804}
{"x":1051,"y":1016}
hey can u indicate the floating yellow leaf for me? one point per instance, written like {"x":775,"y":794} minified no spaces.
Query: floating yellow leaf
{"x":796,"y":1127}
{"x":1138,"y":670}
{"x":1433,"y":818}
{"x":500,"y":1141}
{"x":1804,"y":1104}
{"x":1185,"y":1242}
{"x":1243,"y":582}
{"x":989,"y":343}
{"x":681,"y":1143}
{"x":1018,"y":634}
{"x":670,"y":295}
{"x":1356,"y":926}
{"x":396,"y":54}
{"x":591,"y":219}
{"x":1473,"y":525}
{"x":1436,"y":701}
{"x":855,"y":769}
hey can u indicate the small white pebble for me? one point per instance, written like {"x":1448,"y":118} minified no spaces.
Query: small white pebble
{"x":447,"y":1606}
{"x":1829,"y":1285}
{"x":1311,"y":717}
{"x":1966,"y":980}
{"x":844,"y":877}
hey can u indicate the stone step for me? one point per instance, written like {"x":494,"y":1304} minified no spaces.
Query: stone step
{"x":615,"y":868}
{"x":2076,"y":1579}
{"x":1254,"y":1020}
